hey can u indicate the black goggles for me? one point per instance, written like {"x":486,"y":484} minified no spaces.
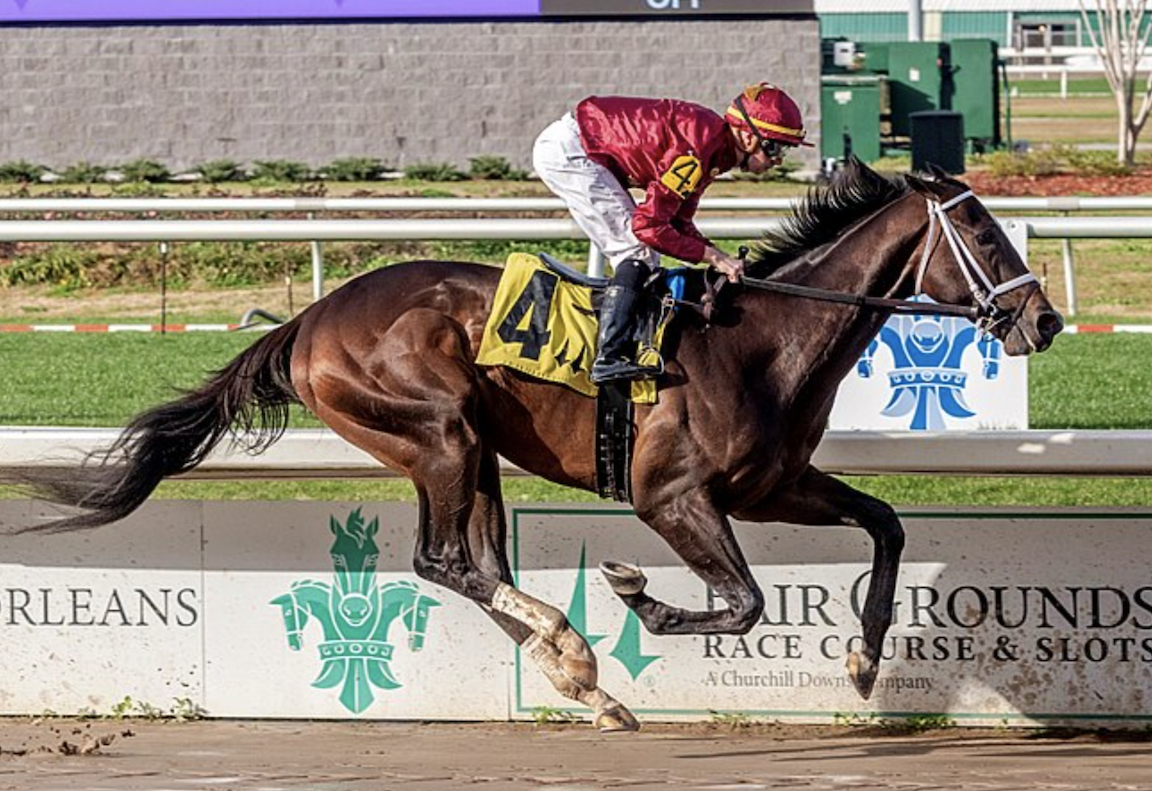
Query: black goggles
{"x":773,"y":149}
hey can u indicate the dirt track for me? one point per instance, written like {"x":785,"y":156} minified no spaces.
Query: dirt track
{"x":380,"y":756}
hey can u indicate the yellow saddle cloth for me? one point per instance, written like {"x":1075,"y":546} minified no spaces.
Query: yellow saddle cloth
{"x":544,"y":326}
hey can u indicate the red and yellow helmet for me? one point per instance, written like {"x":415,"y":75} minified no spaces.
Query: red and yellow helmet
{"x":768,"y":112}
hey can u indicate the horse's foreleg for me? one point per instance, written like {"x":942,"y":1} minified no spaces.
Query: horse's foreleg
{"x":703,"y":538}
{"x":819,"y":499}
{"x":542,"y":632}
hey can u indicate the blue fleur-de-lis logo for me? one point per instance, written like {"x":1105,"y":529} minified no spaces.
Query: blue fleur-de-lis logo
{"x":927,"y":380}
{"x":355,"y":615}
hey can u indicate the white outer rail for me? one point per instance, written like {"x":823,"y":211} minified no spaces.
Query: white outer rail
{"x":318,"y":454}
{"x":1065,"y":69}
{"x":350,"y":230}
{"x":493,"y":205}
{"x":315,"y":231}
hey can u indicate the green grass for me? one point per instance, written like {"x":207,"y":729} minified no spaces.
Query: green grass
{"x":1084,"y":381}
{"x":78,"y":379}
{"x":102,"y":380}
{"x":1092,"y":381}
{"x":1052,"y":86}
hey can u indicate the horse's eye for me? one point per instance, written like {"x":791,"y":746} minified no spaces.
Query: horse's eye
{"x":987,"y":236}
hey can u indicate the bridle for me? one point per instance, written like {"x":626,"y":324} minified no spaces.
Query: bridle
{"x":989,"y":314}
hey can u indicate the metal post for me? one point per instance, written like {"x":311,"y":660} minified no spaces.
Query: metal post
{"x":1069,"y":276}
{"x":915,"y":21}
{"x":163,"y":288}
{"x":596,"y":261}
{"x":317,"y":268}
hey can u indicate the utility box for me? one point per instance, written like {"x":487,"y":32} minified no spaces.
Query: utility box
{"x":876,"y":57}
{"x":977,"y":97}
{"x":920,"y":76}
{"x":938,"y":139}
{"x":850,"y":110}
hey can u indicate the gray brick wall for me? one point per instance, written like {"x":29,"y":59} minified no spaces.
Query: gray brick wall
{"x":402,"y":92}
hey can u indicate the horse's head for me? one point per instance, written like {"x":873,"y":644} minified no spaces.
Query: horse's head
{"x":354,"y":554}
{"x":969,"y":260}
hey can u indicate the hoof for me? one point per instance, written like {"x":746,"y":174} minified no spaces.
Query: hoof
{"x":625,"y":579}
{"x":616,"y":720}
{"x":863,"y":673}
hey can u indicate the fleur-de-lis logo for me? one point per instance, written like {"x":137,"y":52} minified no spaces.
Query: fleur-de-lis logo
{"x":355,"y":615}
{"x":627,"y":650}
{"x":927,"y":380}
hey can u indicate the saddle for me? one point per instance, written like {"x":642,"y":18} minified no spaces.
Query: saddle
{"x":615,"y":426}
{"x":543,"y":323}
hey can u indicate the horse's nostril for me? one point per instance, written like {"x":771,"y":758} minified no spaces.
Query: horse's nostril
{"x":1049,"y":325}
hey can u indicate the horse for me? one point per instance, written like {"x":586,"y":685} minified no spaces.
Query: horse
{"x":387,"y":361}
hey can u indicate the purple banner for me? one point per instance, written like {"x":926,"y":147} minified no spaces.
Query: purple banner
{"x":157,"y":10}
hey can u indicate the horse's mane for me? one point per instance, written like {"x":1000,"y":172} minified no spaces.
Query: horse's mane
{"x":856,"y":192}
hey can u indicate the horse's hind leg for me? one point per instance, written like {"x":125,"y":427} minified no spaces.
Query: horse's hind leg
{"x":819,"y":499}
{"x":410,"y":400}
{"x":487,"y":541}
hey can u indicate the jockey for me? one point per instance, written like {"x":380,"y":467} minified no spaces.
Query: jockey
{"x":672,"y":150}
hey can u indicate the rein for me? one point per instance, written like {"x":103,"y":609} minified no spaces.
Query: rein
{"x":986,"y":314}
{"x":879,"y":303}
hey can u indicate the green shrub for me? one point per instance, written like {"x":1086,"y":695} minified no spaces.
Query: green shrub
{"x":353,"y":169}
{"x":84,"y":173}
{"x":1055,"y":159}
{"x":434,"y":171}
{"x":496,"y":251}
{"x":61,"y":265}
{"x":145,"y":170}
{"x":1037,"y":162}
{"x":21,"y":171}
{"x":138,"y":189}
{"x":244,"y":264}
{"x":1095,"y":163}
{"x":494,"y":168}
{"x":71,"y":267}
{"x":218,"y":171}
{"x":281,"y":170}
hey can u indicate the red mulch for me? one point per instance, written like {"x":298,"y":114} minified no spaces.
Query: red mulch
{"x":984,"y":183}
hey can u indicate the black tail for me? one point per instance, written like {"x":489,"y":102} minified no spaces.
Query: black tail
{"x":249,"y":399}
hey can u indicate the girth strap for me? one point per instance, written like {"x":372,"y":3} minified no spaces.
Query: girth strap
{"x":614,"y":441}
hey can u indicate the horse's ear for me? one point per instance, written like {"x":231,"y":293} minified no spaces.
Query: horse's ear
{"x":929,"y":189}
{"x":941,"y":175}
{"x":937,"y":172}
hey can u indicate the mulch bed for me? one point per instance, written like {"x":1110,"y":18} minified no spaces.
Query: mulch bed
{"x":984,"y":183}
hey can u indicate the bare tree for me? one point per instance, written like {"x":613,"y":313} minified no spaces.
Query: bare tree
{"x":1120,"y":39}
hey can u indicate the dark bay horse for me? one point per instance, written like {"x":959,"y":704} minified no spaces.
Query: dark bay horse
{"x":387,"y":361}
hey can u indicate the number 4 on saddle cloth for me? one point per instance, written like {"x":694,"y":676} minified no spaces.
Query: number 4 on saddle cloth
{"x":543,"y":323}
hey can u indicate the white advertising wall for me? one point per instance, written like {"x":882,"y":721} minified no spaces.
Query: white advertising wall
{"x":311,"y":610}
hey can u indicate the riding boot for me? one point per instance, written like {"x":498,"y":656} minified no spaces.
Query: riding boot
{"x":616,"y":345}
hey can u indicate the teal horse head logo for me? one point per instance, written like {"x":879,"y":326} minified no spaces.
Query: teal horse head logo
{"x":355,"y":615}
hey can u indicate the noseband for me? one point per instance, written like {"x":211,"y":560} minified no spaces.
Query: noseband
{"x":989,"y":314}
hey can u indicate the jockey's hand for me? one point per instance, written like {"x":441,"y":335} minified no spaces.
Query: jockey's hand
{"x":732,"y":268}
